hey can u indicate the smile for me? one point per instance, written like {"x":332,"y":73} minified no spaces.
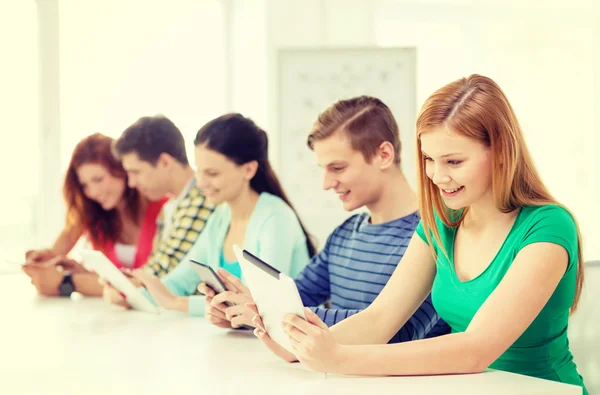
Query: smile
{"x":451,"y":192}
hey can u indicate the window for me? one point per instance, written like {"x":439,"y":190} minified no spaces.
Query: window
{"x":121,"y":60}
{"x":19,"y":153}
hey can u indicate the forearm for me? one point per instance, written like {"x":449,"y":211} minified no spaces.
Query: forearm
{"x":421,"y":324}
{"x":87,"y":284}
{"x":193,"y":305}
{"x":361,"y":329}
{"x":180,"y":303}
{"x":166,"y":297}
{"x":457,"y":353}
{"x":333,"y":316}
{"x":66,"y":241}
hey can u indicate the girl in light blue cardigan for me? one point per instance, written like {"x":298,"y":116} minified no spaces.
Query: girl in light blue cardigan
{"x":234,"y":172}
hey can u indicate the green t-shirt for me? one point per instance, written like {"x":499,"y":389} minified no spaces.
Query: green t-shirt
{"x":543,"y":349}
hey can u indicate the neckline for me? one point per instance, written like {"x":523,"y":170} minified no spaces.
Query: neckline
{"x":224,"y":260}
{"x":227,"y":217}
{"x":408,"y":220}
{"x":487,"y":268}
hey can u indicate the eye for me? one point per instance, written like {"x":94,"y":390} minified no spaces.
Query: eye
{"x":454,"y":162}
{"x":337,"y":169}
{"x":427,"y":159}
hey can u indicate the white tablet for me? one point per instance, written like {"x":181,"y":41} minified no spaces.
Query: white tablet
{"x":274,"y":293}
{"x":99,"y":263}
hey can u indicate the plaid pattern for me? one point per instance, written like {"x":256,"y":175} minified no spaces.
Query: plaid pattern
{"x":188,"y":220}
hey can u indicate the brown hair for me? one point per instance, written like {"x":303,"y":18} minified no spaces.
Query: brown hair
{"x":149,"y":137}
{"x":103,"y":226}
{"x":367,"y":122}
{"x":477,"y":108}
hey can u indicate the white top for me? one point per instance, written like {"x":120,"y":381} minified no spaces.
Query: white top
{"x":62,"y":346}
{"x":169,"y":208}
{"x":125,"y":253}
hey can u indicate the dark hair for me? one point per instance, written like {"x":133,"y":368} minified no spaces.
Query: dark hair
{"x":102,"y":226}
{"x":367,"y":122}
{"x":242,"y":141}
{"x":149,"y":137}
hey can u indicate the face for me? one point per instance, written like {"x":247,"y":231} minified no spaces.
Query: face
{"x":356,"y":182}
{"x":221,"y":179}
{"x":459,"y":166}
{"x":151,"y":181}
{"x":100,"y":186}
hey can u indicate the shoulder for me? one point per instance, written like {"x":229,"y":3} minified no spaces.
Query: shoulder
{"x":352,"y":223}
{"x":271,"y":206}
{"x":547,"y":223}
{"x":536,"y":216}
{"x":445,"y":232}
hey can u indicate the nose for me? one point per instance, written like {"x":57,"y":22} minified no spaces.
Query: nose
{"x":440,"y":176}
{"x":329,"y":182}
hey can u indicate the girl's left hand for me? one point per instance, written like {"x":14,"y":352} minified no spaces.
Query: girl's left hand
{"x":313,"y":343}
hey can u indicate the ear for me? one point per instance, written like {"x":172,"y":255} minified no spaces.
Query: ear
{"x":164,"y":160}
{"x":250,"y":169}
{"x":386,"y":155}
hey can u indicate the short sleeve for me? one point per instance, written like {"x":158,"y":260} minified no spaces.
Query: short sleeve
{"x":553,"y":224}
{"x":421,"y":232}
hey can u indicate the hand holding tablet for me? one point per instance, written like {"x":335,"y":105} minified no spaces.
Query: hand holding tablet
{"x":99,"y":263}
{"x":274,"y":293}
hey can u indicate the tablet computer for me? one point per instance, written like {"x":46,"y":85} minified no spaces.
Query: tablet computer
{"x":103,"y":267}
{"x":210,"y":278}
{"x":274,"y":293}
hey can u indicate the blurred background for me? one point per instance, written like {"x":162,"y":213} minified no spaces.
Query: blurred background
{"x":71,"y":68}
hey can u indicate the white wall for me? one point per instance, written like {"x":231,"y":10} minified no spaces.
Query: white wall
{"x":249,"y":59}
{"x":260,"y":27}
{"x":596,"y":143}
{"x":121,"y":60}
{"x":541,"y":57}
{"x":105,"y":63}
{"x":19,"y":151}
{"x":312,"y":23}
{"x":540,"y":52}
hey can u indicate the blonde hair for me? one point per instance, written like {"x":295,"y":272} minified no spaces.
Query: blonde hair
{"x":477,"y":108}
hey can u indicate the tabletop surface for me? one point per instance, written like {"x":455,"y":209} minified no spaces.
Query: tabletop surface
{"x":85,"y":346}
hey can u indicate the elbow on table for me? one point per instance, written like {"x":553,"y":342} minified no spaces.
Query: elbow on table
{"x":478,"y":359}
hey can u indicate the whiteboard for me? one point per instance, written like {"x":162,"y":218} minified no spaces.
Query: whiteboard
{"x":309,"y":80}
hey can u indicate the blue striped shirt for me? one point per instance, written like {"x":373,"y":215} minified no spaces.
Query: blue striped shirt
{"x":354,"y":266}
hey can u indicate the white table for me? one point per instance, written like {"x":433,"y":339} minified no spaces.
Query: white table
{"x":84,"y":346}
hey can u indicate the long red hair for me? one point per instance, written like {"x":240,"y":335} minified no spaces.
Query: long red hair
{"x":477,"y":108}
{"x":102,"y":226}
